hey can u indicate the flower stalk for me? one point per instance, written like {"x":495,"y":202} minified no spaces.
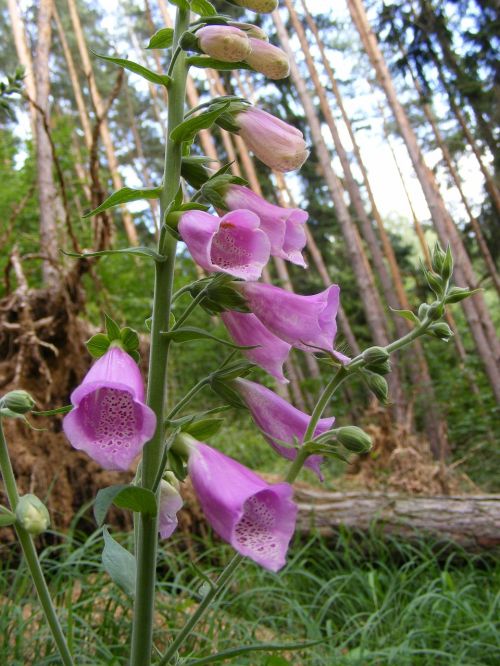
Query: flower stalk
{"x":147,"y":530}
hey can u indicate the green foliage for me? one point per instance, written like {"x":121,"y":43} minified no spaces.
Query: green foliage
{"x":370,"y":601}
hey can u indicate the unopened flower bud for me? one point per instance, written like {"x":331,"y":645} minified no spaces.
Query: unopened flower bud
{"x":382,"y":368}
{"x":170,"y":504}
{"x":375,"y":355}
{"x":268,"y":59}
{"x":447,"y":268}
{"x":17,"y":401}
{"x":378,"y":386}
{"x":223,"y":42}
{"x":251,"y":30}
{"x":32,"y":514}
{"x":438,"y":258}
{"x":260,"y":6}
{"x":354,"y":439}
{"x":423,"y":310}
{"x":436,"y":311}
{"x":441,"y":330}
{"x":457,"y":294}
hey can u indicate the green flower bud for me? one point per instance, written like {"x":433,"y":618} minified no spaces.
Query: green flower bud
{"x":447,"y":268}
{"x":423,"y":310}
{"x":375,"y":355}
{"x":435,"y":312}
{"x":32,"y":514}
{"x":438,"y":258}
{"x":441,"y":330}
{"x":378,"y":386}
{"x":17,"y":401}
{"x":260,"y":6}
{"x":354,"y":439}
{"x":457,"y":294}
{"x":382,"y":368}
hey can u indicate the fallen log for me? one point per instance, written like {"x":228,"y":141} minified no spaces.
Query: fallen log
{"x":472,"y":521}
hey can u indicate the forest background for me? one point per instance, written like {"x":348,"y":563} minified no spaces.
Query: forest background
{"x":72,"y":131}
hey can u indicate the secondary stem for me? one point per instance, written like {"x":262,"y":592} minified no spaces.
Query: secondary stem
{"x":142,"y":629}
{"x":31,"y":556}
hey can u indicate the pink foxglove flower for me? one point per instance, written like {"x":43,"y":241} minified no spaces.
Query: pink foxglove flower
{"x":232,"y":244}
{"x":223,"y":42}
{"x":283,"y":226}
{"x":268,"y":59}
{"x":170,"y":504}
{"x":255,"y":517}
{"x":110,"y":420}
{"x":305,"y":322}
{"x":247,"y":330}
{"x":274,"y":142}
{"x":280,"y":421}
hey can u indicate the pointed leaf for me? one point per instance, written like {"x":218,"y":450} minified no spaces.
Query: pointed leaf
{"x":130,"y":339}
{"x":98,"y":345}
{"x":162,"y":39}
{"x":148,"y":74}
{"x":112,"y":328}
{"x":407,"y":314}
{"x":140,"y":251}
{"x":119,"y":563}
{"x":260,"y":647}
{"x":124,"y":496}
{"x":204,"y":428}
{"x":189,"y":128}
{"x":125,"y":195}
{"x":52,"y":412}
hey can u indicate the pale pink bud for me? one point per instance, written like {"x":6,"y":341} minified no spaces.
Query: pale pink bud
{"x":223,"y":42}
{"x":268,"y":59}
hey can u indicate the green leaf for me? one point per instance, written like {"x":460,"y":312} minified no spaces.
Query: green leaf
{"x":7,"y":517}
{"x":98,"y":345}
{"x":457,"y":294}
{"x":140,"y":251}
{"x":213,"y":63}
{"x":177,"y":465}
{"x":204,"y":428}
{"x":119,"y":563}
{"x":407,"y":314}
{"x":112,"y":328}
{"x":227,"y":393}
{"x":125,"y":195}
{"x":130,"y":339}
{"x":148,"y":74}
{"x":162,"y":39}
{"x":134,"y":498}
{"x":188,"y":333}
{"x":203,"y":7}
{"x":182,"y":4}
{"x":189,"y":128}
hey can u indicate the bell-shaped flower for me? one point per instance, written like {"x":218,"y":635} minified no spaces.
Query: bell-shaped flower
{"x":170,"y":504}
{"x":110,"y":420}
{"x":305,"y":322}
{"x":283,"y":226}
{"x":280,"y":422}
{"x":274,"y":142}
{"x":246,"y":330}
{"x":268,"y":59}
{"x":231,"y":244}
{"x":224,"y":42}
{"x":257,"y":518}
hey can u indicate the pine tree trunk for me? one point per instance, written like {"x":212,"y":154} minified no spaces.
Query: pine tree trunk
{"x":475,"y":309}
{"x":98,"y":103}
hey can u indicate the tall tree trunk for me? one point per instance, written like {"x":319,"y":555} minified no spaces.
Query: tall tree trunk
{"x":364,"y":277}
{"x":475,"y":309}
{"x":46,"y":188}
{"x":24,"y":55}
{"x":98,"y":103}
{"x":483,"y":247}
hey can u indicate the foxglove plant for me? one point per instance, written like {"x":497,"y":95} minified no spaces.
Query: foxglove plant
{"x":109,"y":417}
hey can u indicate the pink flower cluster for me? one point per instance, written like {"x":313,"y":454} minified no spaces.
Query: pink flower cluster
{"x":110,"y":420}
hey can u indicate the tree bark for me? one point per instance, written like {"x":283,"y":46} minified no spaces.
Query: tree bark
{"x":475,"y":309}
{"x":470,"y":521}
{"x":99,"y":106}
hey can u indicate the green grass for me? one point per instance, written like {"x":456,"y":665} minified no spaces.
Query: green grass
{"x":372,"y":602}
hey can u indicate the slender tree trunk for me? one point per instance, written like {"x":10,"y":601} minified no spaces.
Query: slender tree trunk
{"x":24,"y":55}
{"x":364,"y":277}
{"x":475,"y":309}
{"x":98,"y":103}
{"x":483,"y":247}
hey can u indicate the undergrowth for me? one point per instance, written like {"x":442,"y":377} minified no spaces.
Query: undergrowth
{"x":370,"y":601}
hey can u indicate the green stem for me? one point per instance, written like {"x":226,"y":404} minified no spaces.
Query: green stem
{"x":31,"y":556}
{"x":187,"y":398}
{"x":205,"y":604}
{"x":198,"y":298}
{"x":142,"y":628}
